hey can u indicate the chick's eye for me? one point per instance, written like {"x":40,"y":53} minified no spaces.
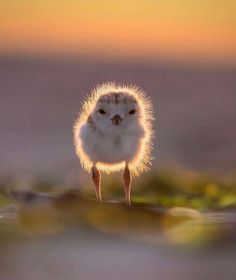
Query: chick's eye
{"x":102,"y":112}
{"x":132,"y":112}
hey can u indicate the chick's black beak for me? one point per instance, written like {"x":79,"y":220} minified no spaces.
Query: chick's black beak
{"x":116,"y":120}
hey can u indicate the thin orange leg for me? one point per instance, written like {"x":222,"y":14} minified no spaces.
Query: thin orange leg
{"x":97,"y":182}
{"x":127,"y":184}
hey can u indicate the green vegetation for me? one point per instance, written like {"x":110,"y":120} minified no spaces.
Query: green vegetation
{"x":170,"y":188}
{"x":168,"y":205}
{"x":164,"y":188}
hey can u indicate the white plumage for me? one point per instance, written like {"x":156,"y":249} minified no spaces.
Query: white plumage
{"x":114,"y":132}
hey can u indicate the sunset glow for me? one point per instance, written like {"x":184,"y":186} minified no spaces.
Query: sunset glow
{"x":173,"y":30}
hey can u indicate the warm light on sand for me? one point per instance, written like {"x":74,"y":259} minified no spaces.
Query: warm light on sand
{"x":142,"y":161}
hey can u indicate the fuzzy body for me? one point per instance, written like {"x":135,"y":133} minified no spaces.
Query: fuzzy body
{"x":112,"y":147}
{"x":99,"y":142}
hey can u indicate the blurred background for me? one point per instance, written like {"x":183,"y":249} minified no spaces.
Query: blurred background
{"x":183,"y":54}
{"x":52,"y":53}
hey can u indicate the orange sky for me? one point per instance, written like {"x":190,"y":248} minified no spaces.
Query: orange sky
{"x":185,"y":30}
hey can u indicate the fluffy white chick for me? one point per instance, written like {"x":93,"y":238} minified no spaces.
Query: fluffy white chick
{"x":114,"y":132}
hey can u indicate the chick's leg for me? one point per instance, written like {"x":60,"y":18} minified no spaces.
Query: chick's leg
{"x":127,"y":184}
{"x":97,"y":182}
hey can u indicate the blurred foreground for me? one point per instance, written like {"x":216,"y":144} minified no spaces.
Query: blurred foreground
{"x":181,"y":226}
